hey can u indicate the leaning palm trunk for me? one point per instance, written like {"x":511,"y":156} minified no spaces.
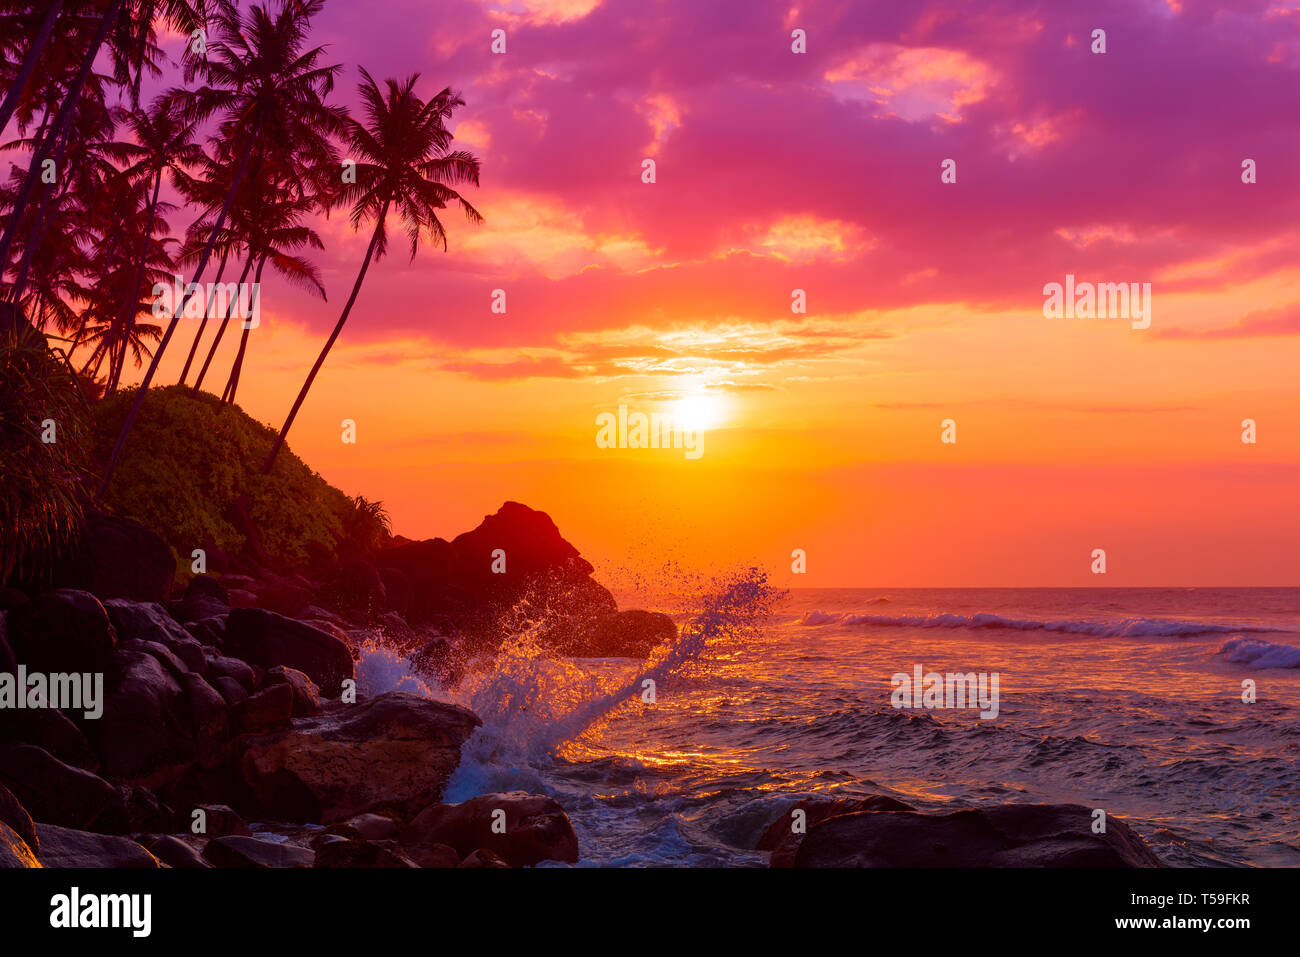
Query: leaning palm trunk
{"x":62,"y":122}
{"x":25,"y":71}
{"x":221,"y":330}
{"x":203,"y":323}
{"x":329,"y":344}
{"x":233,"y":384}
{"x":134,"y":411}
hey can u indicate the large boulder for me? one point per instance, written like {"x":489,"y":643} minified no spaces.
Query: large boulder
{"x":782,"y":839}
{"x":393,"y":752}
{"x":49,"y":729}
{"x":266,"y":639}
{"x":53,"y":792}
{"x":118,"y":558}
{"x":146,"y":733}
{"x":455,"y":580}
{"x":1009,"y":835}
{"x":521,"y":828}
{"x":67,"y":847}
{"x":62,"y":632}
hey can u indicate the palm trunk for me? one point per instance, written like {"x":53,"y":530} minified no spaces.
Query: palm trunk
{"x":34,"y":51}
{"x":198,"y":337}
{"x":62,"y":122}
{"x":134,"y":411}
{"x":329,"y":344}
{"x":221,"y":329}
{"x":233,"y":384}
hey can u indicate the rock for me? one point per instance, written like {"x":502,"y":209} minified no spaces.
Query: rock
{"x":220,"y":820}
{"x":536,"y":828}
{"x":145,"y":735}
{"x":147,"y":621}
{"x":246,"y":852}
{"x":219,"y":666}
{"x":209,"y":632}
{"x":392,"y":752}
{"x":455,"y":578}
{"x":306,"y":696}
{"x":62,"y":632}
{"x":175,"y":667}
{"x":54,"y":792}
{"x":8,"y":663}
{"x":14,"y":851}
{"x":48,"y":729}
{"x":266,"y":639}
{"x":432,"y":855}
{"x":783,"y":842}
{"x":66,"y":847}
{"x":15,"y":815}
{"x":173,"y":852}
{"x":118,"y":558}
{"x":230,"y":689}
{"x":483,"y":858}
{"x":135,"y":809}
{"x":209,"y":718}
{"x":1009,"y":835}
{"x":374,"y":827}
{"x":205,"y":597}
{"x":283,"y":597}
{"x":359,"y":854}
{"x":268,"y":710}
{"x":397,"y":589}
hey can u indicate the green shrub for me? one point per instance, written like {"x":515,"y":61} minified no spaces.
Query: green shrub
{"x":42,"y":484}
{"x":189,"y":458}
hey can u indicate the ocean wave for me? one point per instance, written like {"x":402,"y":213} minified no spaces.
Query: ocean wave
{"x":1259,"y":654}
{"x":1123,"y":628}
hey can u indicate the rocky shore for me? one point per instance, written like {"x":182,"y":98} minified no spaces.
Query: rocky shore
{"x":232,"y":731}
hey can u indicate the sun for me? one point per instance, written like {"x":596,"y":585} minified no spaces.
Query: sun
{"x":698,"y":412}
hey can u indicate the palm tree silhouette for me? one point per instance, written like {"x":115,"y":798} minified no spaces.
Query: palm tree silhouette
{"x":403,"y":161}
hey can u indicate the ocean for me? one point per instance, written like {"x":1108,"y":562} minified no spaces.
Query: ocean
{"x":1128,"y":700}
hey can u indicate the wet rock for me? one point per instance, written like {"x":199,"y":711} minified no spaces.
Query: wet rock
{"x":268,"y":710}
{"x":219,"y":820}
{"x":230,"y":689}
{"x":266,"y":639}
{"x":15,"y":815}
{"x":147,"y":621}
{"x":392,"y":752}
{"x":251,"y":852}
{"x":1009,"y":835}
{"x":783,"y":841}
{"x":48,"y":729}
{"x":14,"y":851}
{"x":624,"y":634}
{"x":306,"y":696}
{"x":374,"y":827}
{"x":536,"y":828}
{"x":221,"y":666}
{"x":438,"y":856}
{"x":66,"y":847}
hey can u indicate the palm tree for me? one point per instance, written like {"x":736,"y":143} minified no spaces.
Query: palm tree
{"x":270,"y":93}
{"x":277,"y":237}
{"x":403,"y":161}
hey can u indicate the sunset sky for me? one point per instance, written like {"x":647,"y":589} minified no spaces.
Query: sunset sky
{"x":821,"y":171}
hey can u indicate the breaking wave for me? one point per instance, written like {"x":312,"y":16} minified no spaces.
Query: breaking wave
{"x":1122,"y":628}
{"x":1259,"y":654}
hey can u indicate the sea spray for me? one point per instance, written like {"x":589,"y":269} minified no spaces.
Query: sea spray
{"x":531,"y":704}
